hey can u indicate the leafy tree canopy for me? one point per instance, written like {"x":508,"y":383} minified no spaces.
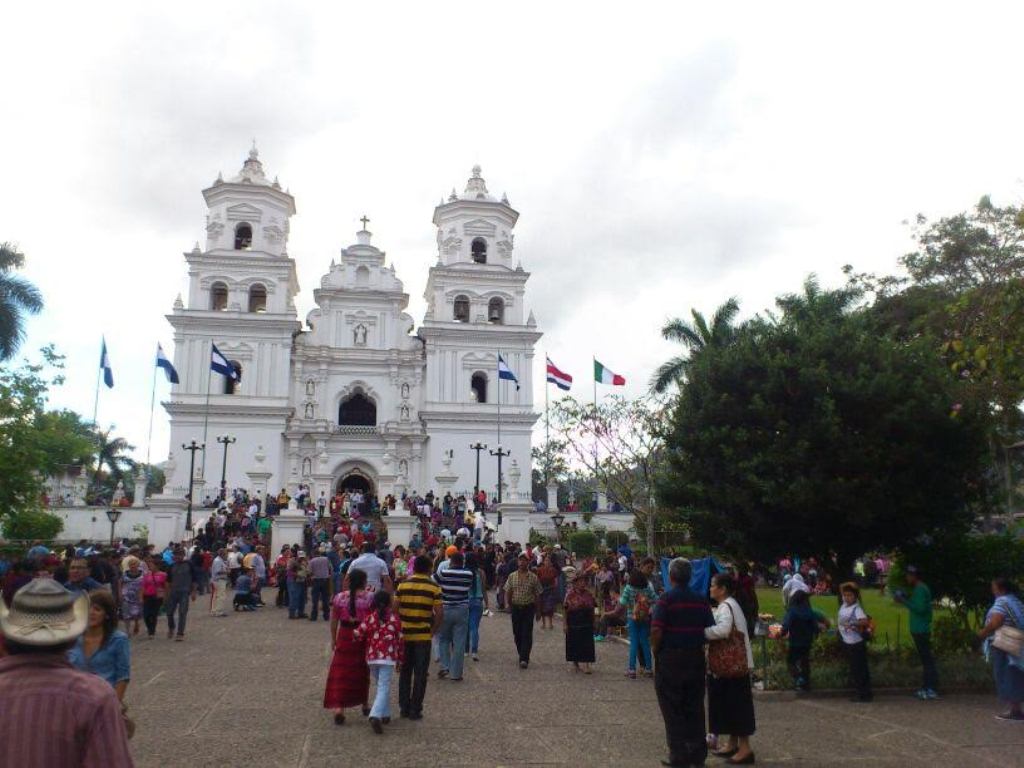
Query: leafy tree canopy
{"x":35,"y":442}
{"x":815,"y":431}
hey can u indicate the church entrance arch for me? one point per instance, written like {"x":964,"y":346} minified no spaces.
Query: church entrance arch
{"x":355,"y":479}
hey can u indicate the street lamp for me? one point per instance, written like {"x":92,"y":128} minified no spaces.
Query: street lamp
{"x":477,"y":447}
{"x":500,"y":454}
{"x":113,"y":515}
{"x":558,"y":518}
{"x":225,"y":440}
{"x":192,"y":448}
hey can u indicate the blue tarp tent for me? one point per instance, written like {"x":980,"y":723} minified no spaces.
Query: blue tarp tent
{"x":700,"y":580}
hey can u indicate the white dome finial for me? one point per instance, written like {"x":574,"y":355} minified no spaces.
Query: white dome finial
{"x":476,"y":171}
{"x":254,"y":153}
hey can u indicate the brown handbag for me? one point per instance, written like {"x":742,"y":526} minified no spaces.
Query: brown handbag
{"x":728,"y":657}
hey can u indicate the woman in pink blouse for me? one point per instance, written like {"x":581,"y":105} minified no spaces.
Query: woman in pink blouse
{"x":348,"y":681}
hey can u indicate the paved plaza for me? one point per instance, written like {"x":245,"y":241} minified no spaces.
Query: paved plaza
{"x":246,"y":690}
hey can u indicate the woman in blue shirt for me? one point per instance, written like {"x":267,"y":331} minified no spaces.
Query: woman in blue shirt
{"x":103,"y":649}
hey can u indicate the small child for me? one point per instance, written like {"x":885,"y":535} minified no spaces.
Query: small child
{"x":801,"y":624}
{"x":382,"y":631}
{"x":244,"y":599}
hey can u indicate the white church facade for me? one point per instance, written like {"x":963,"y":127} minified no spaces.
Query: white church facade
{"x":354,"y":395}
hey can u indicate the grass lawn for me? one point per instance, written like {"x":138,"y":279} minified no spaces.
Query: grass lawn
{"x":890,"y":618}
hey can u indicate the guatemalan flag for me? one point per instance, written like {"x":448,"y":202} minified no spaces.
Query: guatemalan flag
{"x":163,"y":362}
{"x":558,"y":378}
{"x":504,"y":372}
{"x":108,"y":372}
{"x":219,"y":364}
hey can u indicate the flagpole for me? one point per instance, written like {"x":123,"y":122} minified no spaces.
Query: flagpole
{"x":547,"y":426}
{"x":96,"y":401}
{"x":149,"y":442}
{"x":593,"y":367}
{"x":499,"y":403}
{"x":206,"y":418}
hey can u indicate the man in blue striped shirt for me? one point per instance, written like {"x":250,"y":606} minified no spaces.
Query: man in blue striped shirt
{"x":455,"y":582}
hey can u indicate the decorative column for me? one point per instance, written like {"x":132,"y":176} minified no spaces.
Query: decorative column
{"x":289,"y":528}
{"x":514,"y":476}
{"x":139,"y":499}
{"x":259,"y":477}
{"x":446,"y":480}
{"x":552,"y":496}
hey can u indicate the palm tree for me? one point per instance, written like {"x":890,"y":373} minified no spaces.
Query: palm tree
{"x":695,"y":337}
{"x":18,"y":298}
{"x":111,"y":452}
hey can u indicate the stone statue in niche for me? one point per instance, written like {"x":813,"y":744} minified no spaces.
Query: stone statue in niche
{"x":310,"y":387}
{"x":405,"y":412}
{"x":403,"y":468}
{"x":309,"y":410}
{"x":405,"y":390}
{"x":359,"y":335}
{"x":307,"y":467}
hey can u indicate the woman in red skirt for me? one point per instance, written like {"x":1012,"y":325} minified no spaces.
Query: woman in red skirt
{"x":348,"y":681}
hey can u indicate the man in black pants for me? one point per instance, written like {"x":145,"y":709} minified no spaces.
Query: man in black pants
{"x":523,"y":590}
{"x":419,"y":608}
{"x":677,"y":641}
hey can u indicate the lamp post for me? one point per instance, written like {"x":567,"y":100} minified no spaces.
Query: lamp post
{"x":477,"y":447}
{"x":500,"y":454}
{"x":225,"y":440}
{"x":192,"y":448}
{"x":558,"y":518}
{"x":113,"y":515}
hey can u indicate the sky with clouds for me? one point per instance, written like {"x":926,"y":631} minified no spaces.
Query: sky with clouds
{"x":663,"y":156}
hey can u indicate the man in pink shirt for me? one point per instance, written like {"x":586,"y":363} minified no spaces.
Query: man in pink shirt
{"x":53,"y":714}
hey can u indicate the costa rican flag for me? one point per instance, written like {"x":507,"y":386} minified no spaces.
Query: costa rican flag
{"x":558,"y":378}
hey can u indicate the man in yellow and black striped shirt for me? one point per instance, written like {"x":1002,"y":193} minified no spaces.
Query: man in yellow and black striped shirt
{"x":419,"y":608}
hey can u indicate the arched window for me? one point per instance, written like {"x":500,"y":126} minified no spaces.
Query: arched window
{"x":357,"y":410}
{"x":258,"y":298}
{"x":218,"y":297}
{"x":479,"y":250}
{"x":362,"y":276}
{"x":243,"y":237}
{"x":478,"y":387}
{"x":231,"y":385}
{"x":461,"y":309}
{"x":496,"y":311}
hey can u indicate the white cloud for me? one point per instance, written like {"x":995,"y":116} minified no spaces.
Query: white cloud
{"x":662,"y":157}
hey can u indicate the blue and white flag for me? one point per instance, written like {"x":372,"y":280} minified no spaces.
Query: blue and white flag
{"x":504,"y":372}
{"x":108,"y":373}
{"x":163,"y":362}
{"x":219,"y":364}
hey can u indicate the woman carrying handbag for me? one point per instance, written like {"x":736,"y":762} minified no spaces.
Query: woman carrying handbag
{"x":1003,"y":634}
{"x":730,"y":662}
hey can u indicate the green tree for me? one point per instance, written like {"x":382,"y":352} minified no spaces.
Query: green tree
{"x":18,"y":298}
{"x":965,"y":289}
{"x":34,"y":442}
{"x":695,"y":337}
{"x":113,"y":463}
{"x":32,"y":525}
{"x":817,"y":433}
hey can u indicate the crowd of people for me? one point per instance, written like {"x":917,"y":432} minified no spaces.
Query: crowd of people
{"x":392,"y":611}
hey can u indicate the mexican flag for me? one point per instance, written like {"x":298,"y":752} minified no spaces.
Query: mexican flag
{"x":603,"y":376}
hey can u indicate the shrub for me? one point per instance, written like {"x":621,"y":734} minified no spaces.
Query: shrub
{"x":615,"y":539}
{"x":583,"y":543}
{"x":31,"y":524}
{"x":951,"y":637}
{"x":537,"y":539}
{"x":961,"y":567}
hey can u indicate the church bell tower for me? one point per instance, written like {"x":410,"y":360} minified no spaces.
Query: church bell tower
{"x":241,"y":293}
{"x":475,"y":310}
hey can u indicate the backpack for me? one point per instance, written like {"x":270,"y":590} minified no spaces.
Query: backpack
{"x":641,"y":607}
